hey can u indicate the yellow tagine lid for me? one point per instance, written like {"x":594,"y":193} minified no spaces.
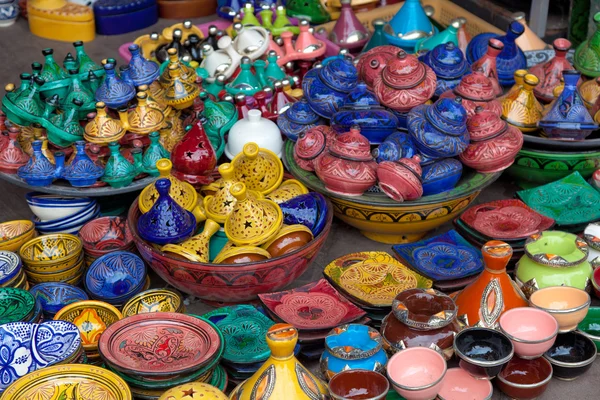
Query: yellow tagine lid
{"x":260,"y":169}
{"x":103,"y":129}
{"x":192,"y":391}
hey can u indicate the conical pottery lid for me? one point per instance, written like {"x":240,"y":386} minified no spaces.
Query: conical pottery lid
{"x":569,"y":106}
{"x":587,"y":55}
{"x":252,"y":222}
{"x":311,"y":143}
{"x":361,"y":98}
{"x":352,"y":145}
{"x":220,"y":116}
{"x":103,"y":129}
{"x":180,"y":93}
{"x":447,"y":61}
{"x":485,"y":125}
{"x":405,"y":71}
{"x":195,"y":248}
{"x":339,"y":74}
{"x":476,"y":87}
{"x":301,"y":113}
{"x":448,"y":115}
{"x":282,"y":375}
{"x":142,"y":71}
{"x":143,"y":119}
{"x":259,"y":169}
{"x":156,"y":100}
{"x":410,"y":22}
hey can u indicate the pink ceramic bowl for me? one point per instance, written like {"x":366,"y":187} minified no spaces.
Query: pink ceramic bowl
{"x":458,"y":384}
{"x":417,"y":373}
{"x":567,"y":304}
{"x":531,"y":330}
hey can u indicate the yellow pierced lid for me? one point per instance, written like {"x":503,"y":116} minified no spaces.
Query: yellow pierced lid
{"x":193,"y":390}
{"x":195,"y":248}
{"x":183,"y":193}
{"x":287,"y":191}
{"x":259,"y":169}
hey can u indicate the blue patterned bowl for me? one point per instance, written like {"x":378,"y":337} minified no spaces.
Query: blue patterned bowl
{"x":441,"y":176}
{"x":53,"y":296}
{"x":10,"y":266}
{"x":115,"y":277}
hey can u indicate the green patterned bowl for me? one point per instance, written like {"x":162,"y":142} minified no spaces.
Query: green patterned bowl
{"x":590,"y":326}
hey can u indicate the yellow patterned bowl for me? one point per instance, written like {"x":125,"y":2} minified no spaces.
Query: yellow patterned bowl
{"x":13,"y":234}
{"x":92,"y":318}
{"x":259,"y":169}
{"x":51,"y":253}
{"x":69,"y":381}
{"x":154,"y":300}
{"x":200,"y":389}
{"x":69,"y":275}
{"x":384,"y":220}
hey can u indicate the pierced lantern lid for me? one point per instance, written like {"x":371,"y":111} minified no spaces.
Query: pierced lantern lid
{"x":448,"y":115}
{"x":405,"y":71}
{"x":447,"y":61}
{"x":485,"y":125}
{"x":352,"y":146}
{"x":476,"y":87}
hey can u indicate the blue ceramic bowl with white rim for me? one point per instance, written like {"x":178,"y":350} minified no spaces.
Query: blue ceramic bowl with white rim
{"x":71,"y":228}
{"x":48,"y":207}
{"x":70,"y":220}
{"x":10,"y":266}
{"x":115,"y":277}
{"x":9,"y":12}
{"x":55,"y":295}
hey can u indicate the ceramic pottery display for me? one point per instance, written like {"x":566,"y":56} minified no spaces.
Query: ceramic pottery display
{"x":348,"y":32}
{"x":10,"y":267}
{"x":325,"y":88}
{"x":568,"y":118}
{"x":103,"y":129}
{"x":449,"y":65}
{"x":82,"y":171}
{"x":166,"y":222}
{"x":312,"y":11}
{"x":483,"y":352}
{"x":401,"y":180}
{"x":118,"y":171}
{"x":314,"y":306}
{"x":309,"y":210}
{"x":282,"y":374}
{"x":589,"y":326}
{"x":554,"y":258}
{"x":373,"y":62}
{"x":439,"y":130}
{"x":14,"y":234}
{"x":154,"y":300}
{"x":259,"y":169}
{"x":352,"y":346}
{"x":53,"y":296}
{"x":372,"y":278}
{"x":521,"y":108}
{"x":449,"y":35}
{"x":257,"y":129}
{"x":288,"y":189}
{"x":587,"y":55}
{"x":569,"y":201}
{"x":395,"y":147}
{"x":298,"y":118}
{"x":494,"y":143}
{"x":421,"y":318}
{"x":487,"y":64}
{"x":571,"y":356}
{"x":476,"y":89}
{"x":409,"y":26}
{"x":510,"y":59}
{"x":311,"y":144}
{"x":377,"y":38}
{"x":348,"y":167}
{"x":551,"y":72}
{"x":441,"y":176}
{"x":531,"y":330}
{"x":569,"y":311}
{"x":362,"y":108}
{"x":193,"y":157}
{"x":23,"y":306}
{"x":142,"y":71}
{"x":457,"y":383}
{"x":113,"y":91}
{"x":39,"y":171}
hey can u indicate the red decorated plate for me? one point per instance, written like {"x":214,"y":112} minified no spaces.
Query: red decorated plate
{"x":159,"y":344}
{"x":316,"y":306}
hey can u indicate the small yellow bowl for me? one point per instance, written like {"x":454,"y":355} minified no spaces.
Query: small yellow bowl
{"x":91,"y":318}
{"x":240,"y":255}
{"x":51,"y":252}
{"x":13,"y":234}
{"x":61,"y":276}
{"x":154,"y":300}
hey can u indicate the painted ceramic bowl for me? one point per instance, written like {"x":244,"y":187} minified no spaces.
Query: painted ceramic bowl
{"x":17,"y":305}
{"x":483,"y":352}
{"x":92,"y":318}
{"x":458,"y":384}
{"x":382,"y":219}
{"x":417,"y":373}
{"x":53,"y":296}
{"x":154,"y":300}
{"x":105,"y":234}
{"x":229,"y":282}
{"x":50,"y":253}
{"x":53,"y":224}
{"x":424,"y":309}
{"x":571,"y":356}
{"x":13,"y":234}
{"x":590,"y":326}
{"x":525,"y":379}
{"x":10,"y":267}
{"x":532,"y":331}
{"x":72,"y":275}
{"x":567,"y":304}
{"x":48,"y":207}
{"x":358,"y":384}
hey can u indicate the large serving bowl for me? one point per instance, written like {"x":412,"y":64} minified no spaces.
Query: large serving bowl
{"x":13,"y":234}
{"x":568,"y":305}
{"x":232,"y":283}
{"x":571,"y":356}
{"x":532,"y":331}
{"x":525,"y":379}
{"x":590,"y":326}
{"x":385,"y":220}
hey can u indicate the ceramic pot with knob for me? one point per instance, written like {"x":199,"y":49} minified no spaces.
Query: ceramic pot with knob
{"x":475,"y":89}
{"x":401,"y":180}
{"x":254,"y":128}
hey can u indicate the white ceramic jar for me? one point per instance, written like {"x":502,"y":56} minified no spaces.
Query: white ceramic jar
{"x":254,"y":128}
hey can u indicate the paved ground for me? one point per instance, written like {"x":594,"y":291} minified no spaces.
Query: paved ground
{"x":19,"y":49}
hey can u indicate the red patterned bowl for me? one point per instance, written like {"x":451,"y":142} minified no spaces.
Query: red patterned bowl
{"x":104,"y":235}
{"x":231,"y":283}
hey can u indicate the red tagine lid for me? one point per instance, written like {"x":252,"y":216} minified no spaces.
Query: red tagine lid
{"x":413,"y":164}
{"x":352,"y":145}
{"x":485,"y":125}
{"x":311,"y":143}
{"x":476,"y":87}
{"x":404,"y":71}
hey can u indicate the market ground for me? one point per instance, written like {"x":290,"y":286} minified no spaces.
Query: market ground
{"x":19,"y":49}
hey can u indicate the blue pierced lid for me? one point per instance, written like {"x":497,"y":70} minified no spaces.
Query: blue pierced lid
{"x":339,"y":74}
{"x":447,"y":61}
{"x":361,"y":98}
{"x":301,"y":113}
{"x":448,"y":115}
{"x":115,"y":7}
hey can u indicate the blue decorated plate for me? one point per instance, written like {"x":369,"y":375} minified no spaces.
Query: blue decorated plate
{"x":10,"y":266}
{"x":55,"y":295}
{"x":115,"y":277}
{"x":445,"y":257}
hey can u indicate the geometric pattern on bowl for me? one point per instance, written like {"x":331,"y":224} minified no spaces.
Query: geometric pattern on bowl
{"x":49,"y":249}
{"x":314,"y":306}
{"x":154,"y":300}
{"x":10,"y":266}
{"x":105,"y":234}
{"x":16,"y":305}
{"x":444,"y":257}
{"x":53,"y":296}
{"x":115,"y":276}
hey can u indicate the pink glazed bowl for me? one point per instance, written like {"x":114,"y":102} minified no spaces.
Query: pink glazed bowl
{"x":458,"y":384}
{"x":531,"y":330}
{"x":417,"y":373}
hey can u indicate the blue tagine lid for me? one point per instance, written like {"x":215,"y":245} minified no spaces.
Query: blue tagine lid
{"x":447,"y":61}
{"x":448,"y":115}
{"x":298,"y":118}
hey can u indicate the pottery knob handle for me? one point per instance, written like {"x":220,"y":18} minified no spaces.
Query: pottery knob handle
{"x":162,"y":186}
{"x":226,"y":171}
{"x":164,"y":166}
{"x":239,"y":191}
{"x":496,"y":255}
{"x":251,"y":150}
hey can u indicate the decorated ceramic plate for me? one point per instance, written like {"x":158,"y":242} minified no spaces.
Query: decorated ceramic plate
{"x":10,"y":266}
{"x":159,"y":344}
{"x":154,"y":300}
{"x":16,"y":305}
{"x":374,"y":277}
{"x":445,"y":257}
{"x":245,"y":330}
{"x":70,"y":381}
{"x":55,"y":295}
{"x":314,"y":306}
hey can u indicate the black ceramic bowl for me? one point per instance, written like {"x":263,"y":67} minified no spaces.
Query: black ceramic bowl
{"x":572,"y":355}
{"x":483,"y":352}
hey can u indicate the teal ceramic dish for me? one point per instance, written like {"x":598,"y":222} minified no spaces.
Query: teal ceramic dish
{"x":590,"y":326}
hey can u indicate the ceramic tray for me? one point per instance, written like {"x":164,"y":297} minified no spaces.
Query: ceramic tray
{"x":445,"y":257}
{"x":315,"y":306}
{"x":373,"y":278}
{"x":159,"y":344}
{"x":569,"y":201}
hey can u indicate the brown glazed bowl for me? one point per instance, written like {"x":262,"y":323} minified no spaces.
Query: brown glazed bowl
{"x":358,"y":384}
{"x":525,"y":379}
{"x":424,"y":309}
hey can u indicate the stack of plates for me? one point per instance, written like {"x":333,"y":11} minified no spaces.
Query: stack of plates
{"x":18,"y":305}
{"x":53,"y":296}
{"x":53,"y":258}
{"x":56,"y":214}
{"x":154,"y":352}
{"x":11,"y":271}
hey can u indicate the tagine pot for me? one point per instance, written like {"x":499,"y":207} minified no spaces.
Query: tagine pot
{"x":409,"y":26}
{"x":448,"y":35}
{"x":348,"y":32}
{"x":487,"y":64}
{"x":373,"y":62}
{"x":510,"y":59}
{"x":482,"y":302}
{"x":194,"y":158}
{"x":587,"y":55}
{"x":401,"y":180}
{"x":311,"y":144}
{"x":421,"y":318}
{"x":475,"y":89}
{"x":494,"y":143}
{"x":521,"y":109}
{"x":551,"y":72}
{"x":254,"y":128}
{"x":12,"y":156}
{"x":441,"y":176}
{"x":362,"y":108}
{"x":554,"y":258}
{"x":396,"y":146}
{"x":348,"y":167}
{"x":449,"y":65}
{"x":298,"y":118}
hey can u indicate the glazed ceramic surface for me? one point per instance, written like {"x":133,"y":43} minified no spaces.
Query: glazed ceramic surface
{"x":550,"y":72}
{"x":449,"y":65}
{"x":531,"y":331}
{"x":525,"y":379}
{"x":458,"y":383}
{"x":115,"y":276}
{"x":10,"y":266}
{"x":587,"y":55}
{"x":484,"y":351}
{"x":154,"y":300}
{"x":590,"y":326}
{"x":568,"y":305}
{"x":53,"y":296}
{"x":572,"y":355}
{"x":16,"y":305}
{"x":409,"y":25}
{"x":193,"y":389}
{"x":105,"y":234}
{"x":417,"y":373}
{"x":368,"y":384}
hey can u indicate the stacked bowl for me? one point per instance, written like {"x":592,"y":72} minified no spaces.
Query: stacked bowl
{"x":56,"y":214}
{"x":56,"y":257}
{"x":18,"y":305}
{"x":13,"y":234}
{"x":11,"y":271}
{"x":105,"y":235}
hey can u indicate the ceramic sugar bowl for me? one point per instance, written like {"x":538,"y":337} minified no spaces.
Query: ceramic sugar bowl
{"x":476,"y":89}
{"x":254,"y":128}
{"x":401,"y":180}
{"x":311,"y":144}
{"x":297,"y":119}
{"x":494,"y":143}
{"x":449,"y":65}
{"x":348,"y":167}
